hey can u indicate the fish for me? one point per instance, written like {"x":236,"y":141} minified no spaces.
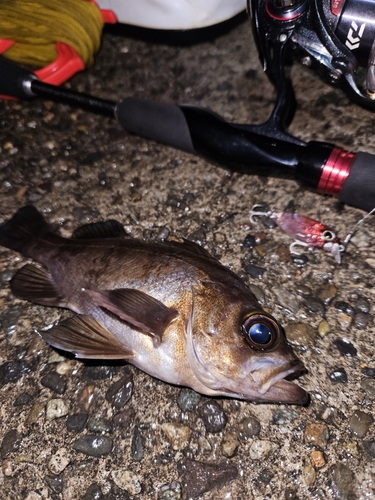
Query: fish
{"x":306,"y":231}
{"x":170,"y":309}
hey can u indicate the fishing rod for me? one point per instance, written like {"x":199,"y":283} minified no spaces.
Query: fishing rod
{"x":303,"y":27}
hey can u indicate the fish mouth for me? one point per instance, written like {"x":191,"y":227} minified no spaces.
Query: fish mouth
{"x":279,"y":386}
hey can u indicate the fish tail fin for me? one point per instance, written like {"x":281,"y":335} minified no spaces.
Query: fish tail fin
{"x":22,"y":231}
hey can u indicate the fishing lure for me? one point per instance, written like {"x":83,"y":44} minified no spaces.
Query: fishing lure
{"x":308,"y":232}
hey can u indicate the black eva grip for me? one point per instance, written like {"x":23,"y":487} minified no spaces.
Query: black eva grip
{"x":359,"y":187}
{"x":154,"y":120}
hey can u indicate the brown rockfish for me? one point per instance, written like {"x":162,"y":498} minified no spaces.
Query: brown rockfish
{"x":170,"y":309}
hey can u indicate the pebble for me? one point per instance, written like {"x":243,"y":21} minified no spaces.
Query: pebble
{"x":220,"y":238}
{"x":170,"y":491}
{"x":327,"y":293}
{"x":361,"y":319}
{"x":301,"y":334}
{"x":124,"y":418}
{"x":249,"y":427}
{"x":300,"y":260}
{"x":86,"y":397}
{"x":290,"y":494}
{"x":55,"y":382}
{"x":283,"y":417}
{"x":198,"y":477}
{"x":76,"y":422}
{"x":363,"y":305}
{"x":249,"y":241}
{"x":213,"y":416}
{"x":285,"y":299}
{"x":309,"y":475}
{"x":99,"y":425}
{"x":7,"y":468}
{"x":188,"y":399}
{"x":56,"y":408}
{"x":368,"y":371}
{"x":317,"y":434}
{"x":178,"y":434}
{"x":351,"y":449}
{"x":229,"y":444}
{"x":344,"y":307}
{"x":55,"y":357}
{"x":323,"y":328}
{"x":9,"y":318}
{"x":259,"y":294}
{"x":127,"y":480}
{"x":338,"y":376}
{"x":265,"y":477}
{"x":255,"y":272}
{"x":63,"y":367}
{"x":315,"y":306}
{"x":55,"y":483}
{"x":163,"y":234}
{"x":198,"y":236}
{"x":303,"y":290}
{"x":345,"y":347}
{"x":6,"y":276}
{"x":368,"y":385}
{"x":342,"y":482}
{"x":36,"y":412}
{"x":93,"y":492}
{"x":370,"y":448}
{"x":24,"y":399}
{"x":317,"y":458}
{"x":265,"y":248}
{"x":283,"y":253}
{"x":95,"y":446}
{"x":12,"y":371}
{"x":261,"y":449}
{"x":100,"y":372}
{"x":11,"y":443}
{"x":137,"y":447}
{"x":344,"y":320}
{"x":59,"y":461}
{"x":360,"y":422}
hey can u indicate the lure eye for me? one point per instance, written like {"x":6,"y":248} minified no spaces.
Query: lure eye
{"x":329,"y":235}
{"x":260,"y":330}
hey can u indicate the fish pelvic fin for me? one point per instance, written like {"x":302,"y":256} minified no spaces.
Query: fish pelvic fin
{"x":137,"y":308}
{"x":36,"y":285}
{"x":25,"y":227}
{"x":86,"y":338}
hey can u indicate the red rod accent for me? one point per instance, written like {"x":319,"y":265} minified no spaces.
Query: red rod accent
{"x":335,"y":171}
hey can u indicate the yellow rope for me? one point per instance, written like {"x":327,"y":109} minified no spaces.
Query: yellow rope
{"x":36,"y":25}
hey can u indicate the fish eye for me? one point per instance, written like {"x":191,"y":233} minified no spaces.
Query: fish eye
{"x":260,"y":330}
{"x":328,"y":235}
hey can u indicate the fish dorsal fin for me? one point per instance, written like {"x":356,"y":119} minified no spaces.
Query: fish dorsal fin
{"x":86,"y":338}
{"x":192,"y":247}
{"x":36,"y":284}
{"x":137,"y":308}
{"x":107,"y":229}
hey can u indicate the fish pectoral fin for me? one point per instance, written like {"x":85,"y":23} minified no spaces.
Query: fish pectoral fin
{"x":108,"y":229}
{"x":137,"y":308}
{"x":36,"y":284}
{"x":86,"y":338}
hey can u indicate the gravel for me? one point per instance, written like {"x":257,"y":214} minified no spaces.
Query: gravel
{"x":74,"y":429}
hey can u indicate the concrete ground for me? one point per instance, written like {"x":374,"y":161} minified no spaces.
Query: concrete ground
{"x":77,"y":430}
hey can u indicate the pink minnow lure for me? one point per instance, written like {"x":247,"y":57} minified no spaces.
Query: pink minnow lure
{"x":307,"y":232}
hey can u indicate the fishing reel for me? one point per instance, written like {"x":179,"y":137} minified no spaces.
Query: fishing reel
{"x":336,"y":38}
